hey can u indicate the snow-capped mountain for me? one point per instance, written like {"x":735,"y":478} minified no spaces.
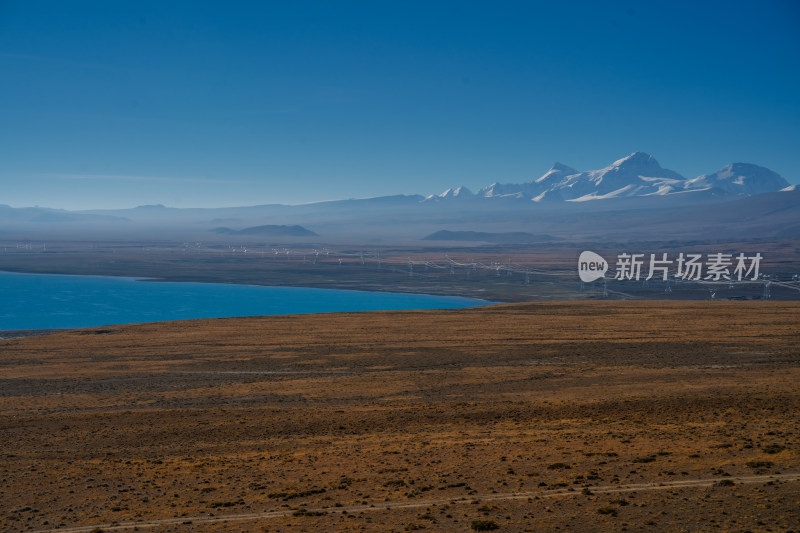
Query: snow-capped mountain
{"x":458,"y":192}
{"x":741,"y":179}
{"x":638,"y":174}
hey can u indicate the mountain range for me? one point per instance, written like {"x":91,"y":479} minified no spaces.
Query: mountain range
{"x":634,"y":198}
{"x":638,"y":174}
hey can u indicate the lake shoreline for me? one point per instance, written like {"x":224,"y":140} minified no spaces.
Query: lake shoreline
{"x":59,"y":302}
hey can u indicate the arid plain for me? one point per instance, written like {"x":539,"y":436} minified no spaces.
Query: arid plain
{"x":571,"y":416}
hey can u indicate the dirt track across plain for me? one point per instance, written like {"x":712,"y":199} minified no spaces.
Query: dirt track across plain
{"x":387,"y":506}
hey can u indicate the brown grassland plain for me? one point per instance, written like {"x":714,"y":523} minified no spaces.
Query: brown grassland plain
{"x":669,"y":416}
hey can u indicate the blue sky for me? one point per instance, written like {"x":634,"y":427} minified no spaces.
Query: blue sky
{"x":118,"y":104}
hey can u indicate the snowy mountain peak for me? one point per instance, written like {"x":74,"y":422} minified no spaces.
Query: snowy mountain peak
{"x":742,"y":179}
{"x":560,"y":167}
{"x":640,"y":162}
{"x":456,"y":193}
{"x":638,"y":174}
{"x":502,"y":190}
{"x":635,"y":158}
{"x":558,"y":171}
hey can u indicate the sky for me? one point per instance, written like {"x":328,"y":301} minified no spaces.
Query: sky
{"x":204,"y":104}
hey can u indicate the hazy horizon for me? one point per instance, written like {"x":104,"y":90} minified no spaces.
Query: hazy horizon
{"x":408,"y":194}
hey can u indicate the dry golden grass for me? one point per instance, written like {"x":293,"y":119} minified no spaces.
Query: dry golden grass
{"x":578,"y":416}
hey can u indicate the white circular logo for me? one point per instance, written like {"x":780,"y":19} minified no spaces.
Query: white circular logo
{"x":591,"y":266}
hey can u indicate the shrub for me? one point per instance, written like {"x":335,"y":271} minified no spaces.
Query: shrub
{"x":773,"y":448}
{"x":305,"y":512}
{"x":759,"y":464}
{"x":484,"y":525}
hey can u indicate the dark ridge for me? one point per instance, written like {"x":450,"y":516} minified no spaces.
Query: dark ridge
{"x":269,"y":231}
{"x":514,"y":237}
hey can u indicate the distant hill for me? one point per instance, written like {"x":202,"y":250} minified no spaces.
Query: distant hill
{"x":269,"y":231}
{"x":514,"y":237}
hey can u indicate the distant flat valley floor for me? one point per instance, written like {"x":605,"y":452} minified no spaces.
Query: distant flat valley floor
{"x":565,"y":416}
{"x":500,"y":273}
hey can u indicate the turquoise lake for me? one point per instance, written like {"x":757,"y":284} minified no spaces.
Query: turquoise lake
{"x":44,"y":301}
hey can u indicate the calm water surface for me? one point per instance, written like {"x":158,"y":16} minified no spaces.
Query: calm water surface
{"x":44,"y":301}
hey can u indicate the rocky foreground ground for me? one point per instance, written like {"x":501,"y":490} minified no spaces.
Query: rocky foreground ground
{"x":611,"y":416}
